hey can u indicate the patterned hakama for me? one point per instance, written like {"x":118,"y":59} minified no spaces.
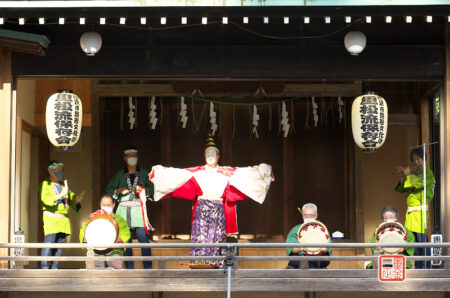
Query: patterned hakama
{"x":208,"y":226}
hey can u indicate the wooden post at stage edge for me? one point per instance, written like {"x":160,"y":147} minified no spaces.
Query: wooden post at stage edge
{"x":5,"y":148}
{"x":445,"y":146}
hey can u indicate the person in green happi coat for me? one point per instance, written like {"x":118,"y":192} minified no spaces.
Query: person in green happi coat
{"x":106,"y":207}
{"x":309,"y":213}
{"x":56,"y":198}
{"x":131,"y":188}
{"x":390,"y":214}
{"x":412,"y":183}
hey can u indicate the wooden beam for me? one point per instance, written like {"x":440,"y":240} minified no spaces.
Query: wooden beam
{"x":215,"y":273}
{"x":190,"y":283}
{"x":239,"y":62}
{"x":404,"y":119}
{"x":288,"y":90}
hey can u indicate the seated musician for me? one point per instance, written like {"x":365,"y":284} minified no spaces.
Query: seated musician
{"x":106,"y":207}
{"x":309,"y":213}
{"x":390,"y":214}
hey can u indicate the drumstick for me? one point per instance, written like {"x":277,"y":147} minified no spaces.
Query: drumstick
{"x":300,"y":210}
{"x":65,"y":185}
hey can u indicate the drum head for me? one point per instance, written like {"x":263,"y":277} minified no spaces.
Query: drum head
{"x":313,"y":232}
{"x":101,"y":229}
{"x":392,"y":233}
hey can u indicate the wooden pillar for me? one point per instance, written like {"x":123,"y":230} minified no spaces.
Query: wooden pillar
{"x":445,"y":145}
{"x":5,"y":148}
{"x":98,"y":159}
{"x":288,"y":184}
{"x":425,"y":123}
{"x":166,"y":153}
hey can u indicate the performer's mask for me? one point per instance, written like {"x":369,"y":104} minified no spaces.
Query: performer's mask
{"x":210,"y":156}
{"x":305,"y":220}
{"x":107,"y":209}
{"x":58,"y":175}
{"x":390,"y":220}
{"x":132,"y":161}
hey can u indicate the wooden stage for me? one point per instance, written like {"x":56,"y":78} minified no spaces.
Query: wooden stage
{"x":180,"y":280}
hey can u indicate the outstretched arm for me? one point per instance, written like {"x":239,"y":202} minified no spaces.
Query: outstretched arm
{"x":254,"y":181}
{"x":172,"y":182}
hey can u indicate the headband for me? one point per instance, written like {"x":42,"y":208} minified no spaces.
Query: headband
{"x":55,"y":165}
{"x":130,"y":151}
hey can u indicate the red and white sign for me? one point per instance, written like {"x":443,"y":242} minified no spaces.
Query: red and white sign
{"x":392,"y":268}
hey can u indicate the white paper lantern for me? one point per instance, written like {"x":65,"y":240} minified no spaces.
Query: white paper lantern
{"x":91,"y":43}
{"x":355,"y":42}
{"x":63,"y":118}
{"x":369,"y":121}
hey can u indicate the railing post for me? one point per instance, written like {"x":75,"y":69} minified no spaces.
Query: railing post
{"x":90,"y":263}
{"x":376,"y":253}
{"x":162,"y":264}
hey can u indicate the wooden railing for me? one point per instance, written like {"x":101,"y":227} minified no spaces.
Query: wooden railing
{"x":234,"y":279}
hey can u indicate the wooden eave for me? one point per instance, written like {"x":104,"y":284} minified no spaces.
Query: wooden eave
{"x":23,"y":42}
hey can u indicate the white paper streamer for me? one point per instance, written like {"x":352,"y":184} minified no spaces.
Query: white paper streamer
{"x":340,"y":104}
{"x":152,"y":115}
{"x":212,"y":120}
{"x":314,"y":111}
{"x":255,"y":121}
{"x":285,"y":120}
{"x":131,"y":117}
{"x":183,"y":112}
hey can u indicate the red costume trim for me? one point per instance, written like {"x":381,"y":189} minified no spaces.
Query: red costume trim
{"x":191,"y":191}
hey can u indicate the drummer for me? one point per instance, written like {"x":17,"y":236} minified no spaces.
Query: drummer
{"x":390,"y":214}
{"x":309,"y":213}
{"x":107,"y":206}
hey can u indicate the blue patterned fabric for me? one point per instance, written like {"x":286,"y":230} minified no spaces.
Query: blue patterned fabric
{"x":208,"y":226}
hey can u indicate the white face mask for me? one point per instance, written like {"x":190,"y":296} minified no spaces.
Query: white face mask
{"x":210,"y":156}
{"x":390,"y":220}
{"x":107,"y":209}
{"x":305,"y":220}
{"x":132,"y":161}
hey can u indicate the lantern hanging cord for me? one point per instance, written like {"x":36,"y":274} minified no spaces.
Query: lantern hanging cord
{"x":291,"y":37}
{"x":236,"y":25}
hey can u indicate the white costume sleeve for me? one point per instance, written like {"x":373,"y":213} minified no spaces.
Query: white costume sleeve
{"x":253,"y":181}
{"x":166,"y":180}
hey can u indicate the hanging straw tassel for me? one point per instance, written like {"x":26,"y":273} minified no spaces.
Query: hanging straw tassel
{"x":152,"y":113}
